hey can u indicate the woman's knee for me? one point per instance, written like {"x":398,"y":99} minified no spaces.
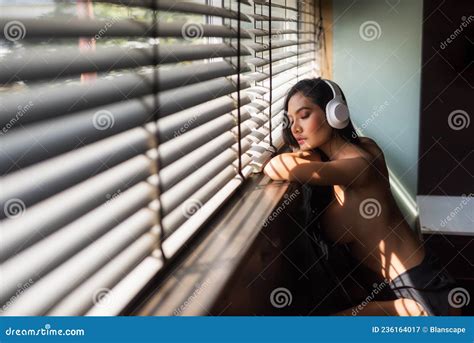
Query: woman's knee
{"x":409,"y":307}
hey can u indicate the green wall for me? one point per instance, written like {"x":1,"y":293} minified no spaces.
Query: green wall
{"x":376,"y":60}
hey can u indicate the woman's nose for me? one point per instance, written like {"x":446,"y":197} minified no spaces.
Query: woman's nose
{"x":295,"y":128}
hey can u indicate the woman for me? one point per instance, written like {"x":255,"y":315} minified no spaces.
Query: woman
{"x":361,"y":212}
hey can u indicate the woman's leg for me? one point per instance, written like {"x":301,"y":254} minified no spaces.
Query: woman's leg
{"x":398,"y":307}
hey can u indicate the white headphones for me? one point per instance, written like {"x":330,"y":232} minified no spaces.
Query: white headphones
{"x":337,"y":112}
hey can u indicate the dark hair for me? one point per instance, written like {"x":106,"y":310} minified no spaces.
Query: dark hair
{"x":316,"y":198}
{"x":320,"y":94}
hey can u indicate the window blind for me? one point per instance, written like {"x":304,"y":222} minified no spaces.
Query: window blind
{"x":125,"y":126}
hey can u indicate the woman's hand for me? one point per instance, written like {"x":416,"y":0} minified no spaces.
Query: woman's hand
{"x":309,"y":155}
{"x":280,"y":167}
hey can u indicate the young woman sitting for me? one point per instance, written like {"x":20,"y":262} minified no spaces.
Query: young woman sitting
{"x":362,"y":212}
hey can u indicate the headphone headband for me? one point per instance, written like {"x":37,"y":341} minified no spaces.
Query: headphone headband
{"x":336,"y":91}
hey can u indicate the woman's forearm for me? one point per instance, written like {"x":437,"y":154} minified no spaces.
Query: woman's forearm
{"x":287,"y":167}
{"x":308,"y":155}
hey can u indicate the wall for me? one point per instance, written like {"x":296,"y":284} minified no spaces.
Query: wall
{"x":376,"y":60}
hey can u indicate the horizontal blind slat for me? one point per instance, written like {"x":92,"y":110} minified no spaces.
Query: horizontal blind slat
{"x":53,"y":137}
{"x":81,"y":299}
{"x":51,"y":100}
{"x":42,"y":180}
{"x":179,"y":123}
{"x":184,"y":166}
{"x":83,"y":28}
{"x":61,"y":209}
{"x":37,"y":260}
{"x":180,"y":7}
{"x":124,"y":292}
{"x":37,"y":299}
{"x":41,"y":64}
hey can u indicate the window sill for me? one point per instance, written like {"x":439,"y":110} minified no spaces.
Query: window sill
{"x":194,"y":284}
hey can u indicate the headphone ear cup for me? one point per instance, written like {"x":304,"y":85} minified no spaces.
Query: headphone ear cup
{"x":337,"y":114}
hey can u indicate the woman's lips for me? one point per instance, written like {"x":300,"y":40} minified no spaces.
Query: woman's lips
{"x":300,"y":141}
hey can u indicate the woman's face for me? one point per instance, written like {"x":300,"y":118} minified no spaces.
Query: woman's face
{"x":308,"y":122}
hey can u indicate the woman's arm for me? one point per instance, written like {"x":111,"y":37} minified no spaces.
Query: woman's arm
{"x":308,"y":155}
{"x":340,"y":172}
{"x":277,"y":167}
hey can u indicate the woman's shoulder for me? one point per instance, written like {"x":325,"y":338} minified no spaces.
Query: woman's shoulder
{"x":369,"y":145}
{"x":377,"y":158}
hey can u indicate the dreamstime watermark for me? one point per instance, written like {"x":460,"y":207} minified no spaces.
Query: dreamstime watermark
{"x":377,"y":110}
{"x":393,"y":6}
{"x":370,"y":30}
{"x":458,"y":120}
{"x":102,"y":297}
{"x":465,"y":22}
{"x":197,"y":291}
{"x":46,"y":331}
{"x":281,"y":208}
{"x":103,"y":120}
{"x":112,"y":196}
{"x":370,"y":208}
{"x":108,"y":24}
{"x":14,"y":208}
{"x":191,"y":31}
{"x":21,"y":288}
{"x":190,"y":207}
{"x":323,"y":247}
{"x":294,"y":19}
{"x":22,"y":110}
{"x":458,"y":297}
{"x":252,"y":110}
{"x":377,"y":289}
{"x":14,"y":30}
{"x":465,"y":200}
{"x":275,"y":36}
{"x":281,"y":297}
{"x":285,"y":121}
{"x":185,"y":127}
